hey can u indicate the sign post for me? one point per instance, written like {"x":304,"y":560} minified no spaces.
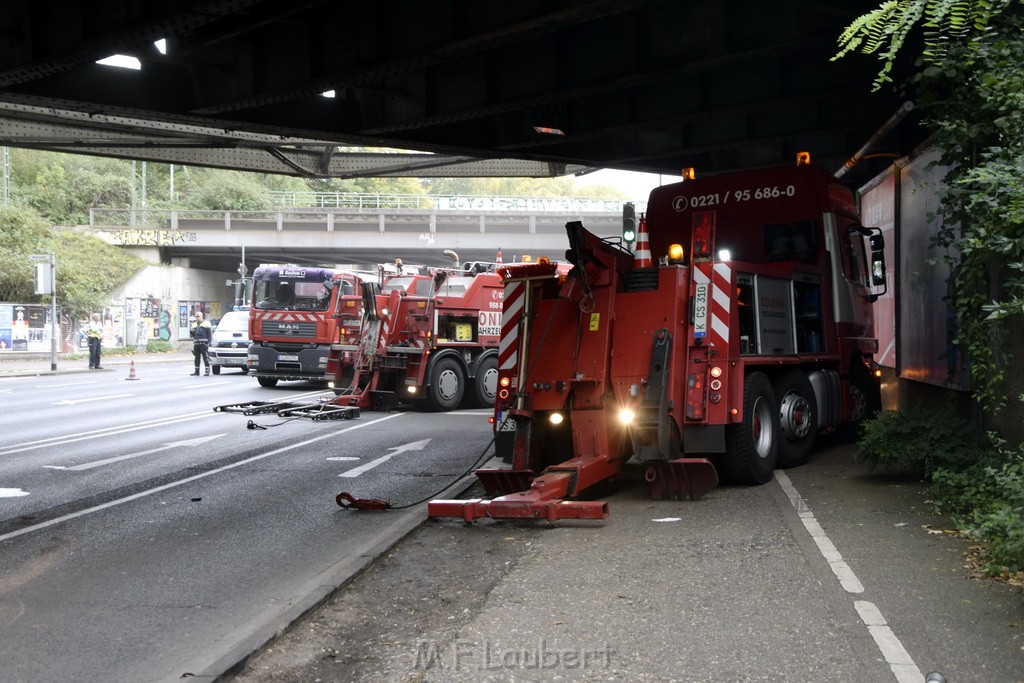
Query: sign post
{"x":49,"y":286}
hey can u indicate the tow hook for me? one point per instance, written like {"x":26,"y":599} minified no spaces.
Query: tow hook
{"x":348,"y":502}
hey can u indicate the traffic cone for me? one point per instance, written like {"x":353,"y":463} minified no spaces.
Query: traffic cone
{"x":642,"y":255}
{"x":497,"y":259}
{"x":131,"y":371}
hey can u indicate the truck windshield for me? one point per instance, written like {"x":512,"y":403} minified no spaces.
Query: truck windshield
{"x":291,"y":295}
{"x":401,"y":284}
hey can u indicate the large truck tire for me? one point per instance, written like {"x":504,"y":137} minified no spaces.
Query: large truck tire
{"x":485,"y":384}
{"x":752,"y":447}
{"x":866,"y":400}
{"x":798,"y":418}
{"x":268,"y":382}
{"x":216,"y":369}
{"x":446,"y":386}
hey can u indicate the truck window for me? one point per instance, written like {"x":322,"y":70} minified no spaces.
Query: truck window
{"x":854,"y":257}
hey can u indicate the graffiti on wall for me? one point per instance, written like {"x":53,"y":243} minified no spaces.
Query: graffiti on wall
{"x":135,"y":237}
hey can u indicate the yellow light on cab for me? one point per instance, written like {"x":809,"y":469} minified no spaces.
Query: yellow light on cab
{"x":803,"y":158}
{"x":689,"y":173}
{"x":675,"y":252}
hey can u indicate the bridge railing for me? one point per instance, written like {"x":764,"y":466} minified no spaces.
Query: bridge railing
{"x":457,"y":202}
{"x":459,"y":208}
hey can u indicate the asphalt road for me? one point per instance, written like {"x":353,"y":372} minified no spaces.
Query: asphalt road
{"x":145,"y":537}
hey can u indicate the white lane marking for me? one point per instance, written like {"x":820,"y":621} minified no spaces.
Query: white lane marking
{"x":203,"y":385}
{"x":12,"y":493}
{"x":99,"y":463}
{"x":186,"y":480}
{"x":849,"y":580}
{"x":899,"y":660}
{"x":74,"y":402}
{"x":68,"y":384}
{"x":106,"y":431}
{"x":896,"y":656}
{"x":414,"y":446}
{"x":343,"y":458}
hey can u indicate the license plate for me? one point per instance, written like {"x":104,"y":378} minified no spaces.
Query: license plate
{"x":700,"y":311}
{"x":284,"y":357}
{"x":505,"y":425}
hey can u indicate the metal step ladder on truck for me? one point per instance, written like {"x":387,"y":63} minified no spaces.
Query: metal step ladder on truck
{"x":291,"y":321}
{"x":726,"y":358}
{"x":430,"y":340}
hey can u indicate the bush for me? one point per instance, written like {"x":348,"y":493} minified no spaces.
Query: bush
{"x":159,"y":346}
{"x":986,"y":501}
{"x":975,"y":479}
{"x":920,"y":441}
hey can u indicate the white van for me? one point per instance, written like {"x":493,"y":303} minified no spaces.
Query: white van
{"x":230,"y":345}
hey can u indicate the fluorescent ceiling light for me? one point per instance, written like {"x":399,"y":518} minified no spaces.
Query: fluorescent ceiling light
{"x":121,"y":61}
{"x":327,"y":93}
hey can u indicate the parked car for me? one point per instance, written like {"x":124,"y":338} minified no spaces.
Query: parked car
{"x":230,"y":345}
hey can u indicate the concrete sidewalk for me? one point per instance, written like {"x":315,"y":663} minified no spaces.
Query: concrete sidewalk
{"x":32,"y":364}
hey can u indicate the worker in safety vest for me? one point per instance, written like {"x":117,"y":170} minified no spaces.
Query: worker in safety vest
{"x":94,"y":335}
{"x":202,"y":334}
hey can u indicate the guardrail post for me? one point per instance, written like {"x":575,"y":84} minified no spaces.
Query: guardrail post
{"x":533,"y":224}
{"x":280,"y":221}
{"x":380,"y":222}
{"x":433,"y":223}
{"x":227,"y":221}
{"x":481,"y":224}
{"x":330,"y":221}
{"x":174,"y":220}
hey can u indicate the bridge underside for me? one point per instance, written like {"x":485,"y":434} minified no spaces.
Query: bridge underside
{"x":552,"y":87}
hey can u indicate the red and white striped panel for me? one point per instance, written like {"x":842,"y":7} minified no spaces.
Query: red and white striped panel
{"x":287,"y":316}
{"x":511,"y":314}
{"x":721,"y":300}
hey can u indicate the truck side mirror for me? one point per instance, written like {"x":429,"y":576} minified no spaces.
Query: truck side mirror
{"x":877,"y":267}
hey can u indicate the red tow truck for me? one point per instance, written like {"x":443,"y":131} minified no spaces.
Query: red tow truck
{"x":737,"y":332}
{"x":428,"y":339}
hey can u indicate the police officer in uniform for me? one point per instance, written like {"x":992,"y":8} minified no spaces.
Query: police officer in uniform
{"x":94,"y":335}
{"x":202,"y":334}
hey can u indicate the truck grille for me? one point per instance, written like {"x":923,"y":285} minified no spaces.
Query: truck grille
{"x":272,"y":328}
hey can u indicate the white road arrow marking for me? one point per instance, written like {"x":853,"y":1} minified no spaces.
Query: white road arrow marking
{"x":12,"y":493}
{"x":414,"y":446}
{"x":100,"y":463}
{"x":70,"y":402}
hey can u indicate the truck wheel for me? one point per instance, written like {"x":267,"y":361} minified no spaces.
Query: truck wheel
{"x":798,"y":418}
{"x":447,"y":384}
{"x":752,"y":447}
{"x":485,"y":384}
{"x":267,"y":382}
{"x":216,"y":369}
{"x":865,"y":400}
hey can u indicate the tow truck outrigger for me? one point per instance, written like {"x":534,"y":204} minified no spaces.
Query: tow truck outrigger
{"x":726,"y":358}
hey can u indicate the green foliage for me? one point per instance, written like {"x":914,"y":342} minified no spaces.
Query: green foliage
{"x":88,"y":269}
{"x":975,"y":478}
{"x":943,"y":22}
{"x":986,"y":499}
{"x":159,"y":346}
{"x":919,"y":441}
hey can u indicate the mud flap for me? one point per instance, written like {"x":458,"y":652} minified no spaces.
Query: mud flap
{"x":685,"y":478}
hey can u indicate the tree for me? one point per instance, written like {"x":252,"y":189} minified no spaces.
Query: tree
{"x":945,"y":23}
{"x":88,"y":269}
{"x":971,"y":89}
